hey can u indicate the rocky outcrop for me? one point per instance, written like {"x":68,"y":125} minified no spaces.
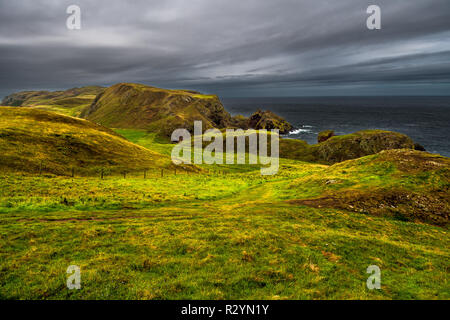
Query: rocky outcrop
{"x":361,"y":143}
{"x":419,"y":147}
{"x":239,"y":121}
{"x":340,"y":148}
{"x":268,"y":120}
{"x":325,"y":135}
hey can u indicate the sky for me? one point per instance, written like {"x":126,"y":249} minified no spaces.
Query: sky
{"x":228,"y":47}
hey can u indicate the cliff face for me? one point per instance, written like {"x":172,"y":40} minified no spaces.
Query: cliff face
{"x":127,"y":105}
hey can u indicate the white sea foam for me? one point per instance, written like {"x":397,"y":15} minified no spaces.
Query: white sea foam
{"x":297,"y":131}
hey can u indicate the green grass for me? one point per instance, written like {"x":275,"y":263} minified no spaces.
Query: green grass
{"x":222,"y":249}
{"x":208,"y":236}
{"x":157,"y":143}
{"x":221,"y":231}
{"x":147,"y":139}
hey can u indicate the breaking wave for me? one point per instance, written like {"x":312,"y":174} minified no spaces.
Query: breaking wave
{"x":301,"y":130}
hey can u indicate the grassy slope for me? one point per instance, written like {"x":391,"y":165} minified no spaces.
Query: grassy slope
{"x":228,"y":235}
{"x":406,"y":184}
{"x":69,"y":102}
{"x":31,"y":139}
{"x":155,"y":142}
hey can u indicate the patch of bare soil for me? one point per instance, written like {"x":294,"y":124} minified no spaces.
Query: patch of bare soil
{"x":431,"y":208}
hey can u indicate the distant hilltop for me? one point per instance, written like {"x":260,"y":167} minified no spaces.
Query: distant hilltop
{"x":69,"y":102}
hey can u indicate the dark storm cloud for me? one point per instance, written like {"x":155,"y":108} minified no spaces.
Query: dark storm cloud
{"x":228,"y":47}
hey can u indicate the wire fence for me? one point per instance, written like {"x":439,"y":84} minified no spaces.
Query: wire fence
{"x":44,"y":170}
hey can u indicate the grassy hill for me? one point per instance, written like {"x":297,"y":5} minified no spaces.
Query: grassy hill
{"x":135,"y":106}
{"x":69,"y":102}
{"x":34,"y":140}
{"x":228,"y":235}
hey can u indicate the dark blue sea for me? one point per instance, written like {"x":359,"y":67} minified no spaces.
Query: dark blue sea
{"x":425,"y":119}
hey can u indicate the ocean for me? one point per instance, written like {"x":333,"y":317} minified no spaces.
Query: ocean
{"x":425,"y":119}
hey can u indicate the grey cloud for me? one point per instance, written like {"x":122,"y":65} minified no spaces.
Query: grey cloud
{"x":226,"y":46}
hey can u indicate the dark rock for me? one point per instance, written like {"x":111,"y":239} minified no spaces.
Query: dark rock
{"x":419,"y":147}
{"x":268,"y":120}
{"x":239,"y":121}
{"x":325,"y":135}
